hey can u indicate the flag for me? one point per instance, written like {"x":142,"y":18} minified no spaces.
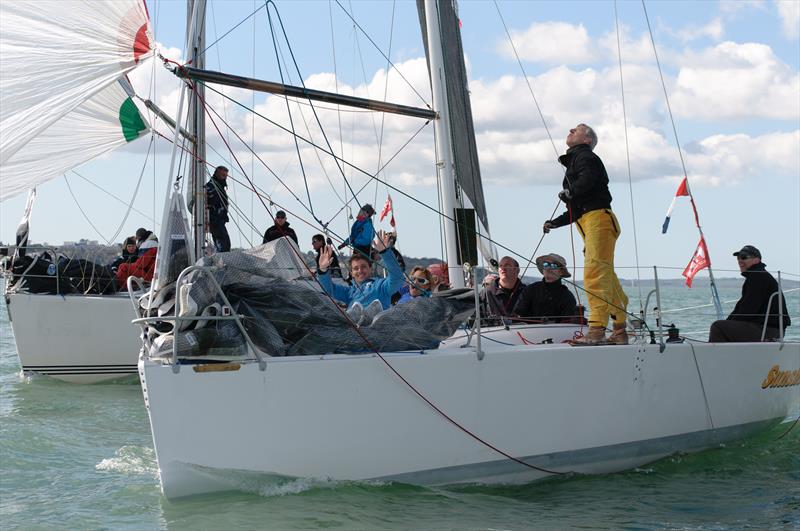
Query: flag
{"x":23,"y":229}
{"x":683,"y":189}
{"x":700,"y":260}
{"x":387,"y":208}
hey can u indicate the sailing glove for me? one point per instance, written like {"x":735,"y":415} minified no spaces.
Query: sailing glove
{"x":565,"y":195}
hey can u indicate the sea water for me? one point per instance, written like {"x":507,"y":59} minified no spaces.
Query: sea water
{"x":81,"y":457}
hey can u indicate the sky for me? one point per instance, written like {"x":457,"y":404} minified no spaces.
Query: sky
{"x":731,"y":71}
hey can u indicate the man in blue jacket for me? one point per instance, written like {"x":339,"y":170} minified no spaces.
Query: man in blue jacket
{"x":364,"y":288}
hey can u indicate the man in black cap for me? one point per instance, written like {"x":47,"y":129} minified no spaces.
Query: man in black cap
{"x":746,"y":321}
{"x":280,"y":229}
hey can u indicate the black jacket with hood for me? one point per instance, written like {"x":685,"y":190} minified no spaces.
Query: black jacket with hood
{"x":758,"y":286}
{"x":587,"y":182}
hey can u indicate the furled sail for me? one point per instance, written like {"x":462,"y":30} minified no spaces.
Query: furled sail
{"x":106,"y":121}
{"x":465,"y":151}
{"x":55,"y":55}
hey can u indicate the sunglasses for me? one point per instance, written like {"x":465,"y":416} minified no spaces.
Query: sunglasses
{"x":422,"y":281}
{"x":550,"y":265}
{"x":742,"y":256}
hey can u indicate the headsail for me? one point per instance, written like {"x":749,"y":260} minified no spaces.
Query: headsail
{"x":56,"y":54}
{"x":102,"y":123}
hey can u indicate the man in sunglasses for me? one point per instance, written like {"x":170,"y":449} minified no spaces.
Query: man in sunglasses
{"x":588,"y":200}
{"x":746,"y":321}
{"x":548,"y":301}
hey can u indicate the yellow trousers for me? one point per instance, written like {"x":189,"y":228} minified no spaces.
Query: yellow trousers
{"x":600,"y":230}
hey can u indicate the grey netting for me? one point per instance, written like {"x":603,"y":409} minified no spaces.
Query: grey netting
{"x":286,"y":313}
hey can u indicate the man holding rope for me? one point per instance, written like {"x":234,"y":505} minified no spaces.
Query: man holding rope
{"x":585,"y":192}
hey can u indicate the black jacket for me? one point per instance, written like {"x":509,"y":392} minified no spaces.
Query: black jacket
{"x":548,"y":302}
{"x":497,"y":302}
{"x":217,"y":201}
{"x":276,"y":231}
{"x":758,"y":286}
{"x":587,"y":181}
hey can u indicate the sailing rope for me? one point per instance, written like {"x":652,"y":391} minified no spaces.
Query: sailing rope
{"x":628,"y":160}
{"x":714,"y":292}
{"x":527,"y":80}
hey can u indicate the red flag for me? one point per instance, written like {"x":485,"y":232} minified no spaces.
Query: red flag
{"x":700,"y":260}
{"x":683,"y":190}
{"x":386,"y":209}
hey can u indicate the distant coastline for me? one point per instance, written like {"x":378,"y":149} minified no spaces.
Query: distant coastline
{"x":97,"y":252}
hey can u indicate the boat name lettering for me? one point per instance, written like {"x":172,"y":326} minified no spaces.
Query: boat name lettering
{"x":778,"y":378}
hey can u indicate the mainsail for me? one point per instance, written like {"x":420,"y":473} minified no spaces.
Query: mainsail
{"x":465,"y":151}
{"x":54,"y":56}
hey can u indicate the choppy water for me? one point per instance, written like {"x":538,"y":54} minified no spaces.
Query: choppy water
{"x":81,"y":457}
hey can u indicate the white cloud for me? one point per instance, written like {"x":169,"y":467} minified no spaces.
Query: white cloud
{"x":714,"y":30}
{"x":789,"y":11}
{"x":727,"y":159}
{"x":734,"y":80}
{"x":551,"y":42}
{"x":732,"y":7}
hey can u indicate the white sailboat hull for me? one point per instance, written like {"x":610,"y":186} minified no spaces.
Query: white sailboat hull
{"x":75,"y":338}
{"x":565,"y":409}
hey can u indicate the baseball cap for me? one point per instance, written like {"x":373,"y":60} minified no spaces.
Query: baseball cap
{"x":280,"y":214}
{"x":748,"y":250}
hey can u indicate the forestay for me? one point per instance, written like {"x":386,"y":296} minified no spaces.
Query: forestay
{"x":50,"y":66}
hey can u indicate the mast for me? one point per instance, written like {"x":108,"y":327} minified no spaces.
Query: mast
{"x":444,"y":143}
{"x":197,"y":127}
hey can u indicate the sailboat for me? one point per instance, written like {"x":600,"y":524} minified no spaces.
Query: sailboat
{"x":465,"y":412}
{"x":66,"y":100}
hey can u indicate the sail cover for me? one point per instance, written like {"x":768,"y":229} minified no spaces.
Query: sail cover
{"x":465,"y":151}
{"x":56,"y":54}
{"x":104,"y":122}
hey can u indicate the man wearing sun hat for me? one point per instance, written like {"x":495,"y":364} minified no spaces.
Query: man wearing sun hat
{"x":548,"y":300}
{"x":746,"y":321}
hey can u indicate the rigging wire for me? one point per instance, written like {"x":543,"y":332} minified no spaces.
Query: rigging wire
{"x":527,"y":80}
{"x":628,"y":159}
{"x":245,"y":19}
{"x":313,"y":108}
{"x":289,"y":112}
{"x":129,"y":204}
{"x":357,"y":25}
{"x":714,"y":292}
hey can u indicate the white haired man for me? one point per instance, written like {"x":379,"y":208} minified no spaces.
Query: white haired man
{"x":585,"y":192}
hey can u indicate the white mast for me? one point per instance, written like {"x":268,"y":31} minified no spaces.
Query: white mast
{"x":197,"y":126}
{"x":444,"y":144}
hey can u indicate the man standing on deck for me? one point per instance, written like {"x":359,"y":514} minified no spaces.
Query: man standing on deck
{"x":585,"y":192}
{"x":217,"y":204}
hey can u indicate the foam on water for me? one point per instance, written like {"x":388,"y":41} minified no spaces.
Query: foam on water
{"x":131,"y":460}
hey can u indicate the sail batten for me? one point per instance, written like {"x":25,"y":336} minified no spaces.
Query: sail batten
{"x":54,"y":57}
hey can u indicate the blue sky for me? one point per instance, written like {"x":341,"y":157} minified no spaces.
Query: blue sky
{"x":731,"y":70}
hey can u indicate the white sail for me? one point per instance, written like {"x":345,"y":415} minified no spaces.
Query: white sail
{"x":56,"y":54}
{"x":104,"y":122}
